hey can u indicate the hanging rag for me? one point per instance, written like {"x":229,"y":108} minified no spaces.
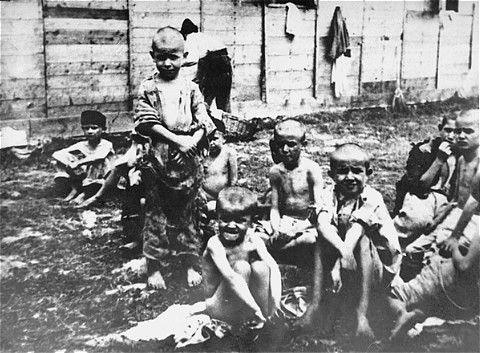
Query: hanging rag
{"x":339,"y":52}
{"x":292,"y":25}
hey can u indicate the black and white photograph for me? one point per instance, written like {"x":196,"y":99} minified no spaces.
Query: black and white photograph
{"x":239,"y":176}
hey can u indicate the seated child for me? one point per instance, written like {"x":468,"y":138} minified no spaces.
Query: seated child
{"x":127,"y":166}
{"x":171,"y":111}
{"x":220,"y":166}
{"x":425,"y":187}
{"x":466,"y":145}
{"x":356,"y":233}
{"x":242,"y":280}
{"x":445,"y":287}
{"x":82,"y":166}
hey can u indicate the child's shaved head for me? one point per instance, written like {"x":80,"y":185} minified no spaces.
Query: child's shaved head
{"x":349,"y":152}
{"x":235,"y":199}
{"x":290,"y":127}
{"x":169,"y":38}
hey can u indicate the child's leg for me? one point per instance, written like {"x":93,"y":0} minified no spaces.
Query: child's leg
{"x":366,"y":268}
{"x":260,"y":286}
{"x":404,"y":319}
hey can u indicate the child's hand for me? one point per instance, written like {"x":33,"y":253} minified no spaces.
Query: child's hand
{"x":278,"y":240}
{"x":336,"y":279}
{"x":447,"y":246}
{"x":444,"y":150}
{"x":187,"y":145}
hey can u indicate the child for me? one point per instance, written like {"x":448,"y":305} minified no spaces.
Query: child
{"x":83,"y":165}
{"x":466,"y":144}
{"x":445,"y":286}
{"x":220,"y":167}
{"x":242,"y":280}
{"x":171,"y":111}
{"x":356,"y":232}
{"x":425,"y":186}
{"x":127,"y":166}
{"x":296,"y":184}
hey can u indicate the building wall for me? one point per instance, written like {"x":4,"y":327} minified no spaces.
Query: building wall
{"x":61,"y":57}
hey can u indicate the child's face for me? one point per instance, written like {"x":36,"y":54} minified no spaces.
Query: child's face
{"x":233,"y":225}
{"x":92,"y":132}
{"x":350,"y":177}
{"x":217,"y":142}
{"x":289,"y":148}
{"x":168,"y":61}
{"x":447,"y":131}
{"x":466,"y":133}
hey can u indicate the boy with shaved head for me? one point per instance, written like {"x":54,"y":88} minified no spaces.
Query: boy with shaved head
{"x":296,"y":184}
{"x":356,"y":233}
{"x":242,"y":280}
{"x":171,"y":112}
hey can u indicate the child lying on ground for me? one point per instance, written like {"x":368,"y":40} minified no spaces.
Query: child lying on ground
{"x":242,"y":280}
{"x":82,"y":166}
{"x":296,"y":184}
{"x":127,"y":166}
{"x":466,"y":145}
{"x":171,"y":111}
{"x":425,"y":187}
{"x":445,"y":287}
{"x":356,"y":234}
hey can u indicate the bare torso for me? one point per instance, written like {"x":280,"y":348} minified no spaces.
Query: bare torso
{"x":217,"y":173}
{"x":466,"y":173}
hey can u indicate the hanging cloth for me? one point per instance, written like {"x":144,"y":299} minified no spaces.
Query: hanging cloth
{"x":292,"y":25}
{"x":339,"y":53}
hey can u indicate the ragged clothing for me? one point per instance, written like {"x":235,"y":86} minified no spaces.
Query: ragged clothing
{"x":371,"y":212}
{"x":171,"y":221}
{"x":95,"y":163}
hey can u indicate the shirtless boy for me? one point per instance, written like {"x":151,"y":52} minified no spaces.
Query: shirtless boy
{"x":356,"y":234}
{"x":466,"y":144}
{"x":242,"y":280}
{"x":220,"y":167}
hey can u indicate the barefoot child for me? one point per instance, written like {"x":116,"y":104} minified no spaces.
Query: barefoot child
{"x":220,"y":167}
{"x":171,"y":111}
{"x":82,"y":166}
{"x":356,"y":232}
{"x":242,"y":280}
{"x":296,"y":184}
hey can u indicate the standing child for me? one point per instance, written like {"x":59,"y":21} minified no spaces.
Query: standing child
{"x":356,"y":232}
{"x":296,"y":184}
{"x":242,"y":280}
{"x":82,"y":166}
{"x":220,"y":167}
{"x":171,"y":111}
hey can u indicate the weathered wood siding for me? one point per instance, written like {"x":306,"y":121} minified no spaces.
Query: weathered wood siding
{"x":61,"y":57}
{"x":22,"y":89}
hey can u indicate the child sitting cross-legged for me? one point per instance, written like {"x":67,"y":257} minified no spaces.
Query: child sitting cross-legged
{"x":82,"y":166}
{"x":356,"y":235}
{"x":242,"y":281}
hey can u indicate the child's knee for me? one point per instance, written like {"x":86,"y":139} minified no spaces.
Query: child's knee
{"x":260,"y":269}
{"x":242,"y":267}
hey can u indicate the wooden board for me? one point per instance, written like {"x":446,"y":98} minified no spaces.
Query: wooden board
{"x":87,"y":68}
{"x":22,"y":108}
{"x":97,"y":4}
{"x":22,"y":66}
{"x":58,"y":97}
{"x":67,"y":36}
{"x":27,"y":88}
{"x":86,"y":52}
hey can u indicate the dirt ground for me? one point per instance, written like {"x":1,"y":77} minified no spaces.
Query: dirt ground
{"x":57,"y":285}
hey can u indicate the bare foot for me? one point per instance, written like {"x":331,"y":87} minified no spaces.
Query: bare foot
{"x":156,"y":281}
{"x":87,"y":203}
{"x":79,"y":199}
{"x":363,"y":329}
{"x":404,"y":323}
{"x":193,"y":278}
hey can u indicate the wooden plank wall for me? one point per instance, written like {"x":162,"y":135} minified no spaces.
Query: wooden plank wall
{"x":22,"y":89}
{"x":61,"y":57}
{"x":87,"y":61}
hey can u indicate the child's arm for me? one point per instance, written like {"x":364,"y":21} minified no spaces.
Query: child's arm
{"x":275,"y":208}
{"x":232,"y":167}
{"x":186,"y":144}
{"x":275,"y":276}
{"x":110,"y":182}
{"x":444,"y":151}
{"x":234,"y":280}
{"x":329,"y":232}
